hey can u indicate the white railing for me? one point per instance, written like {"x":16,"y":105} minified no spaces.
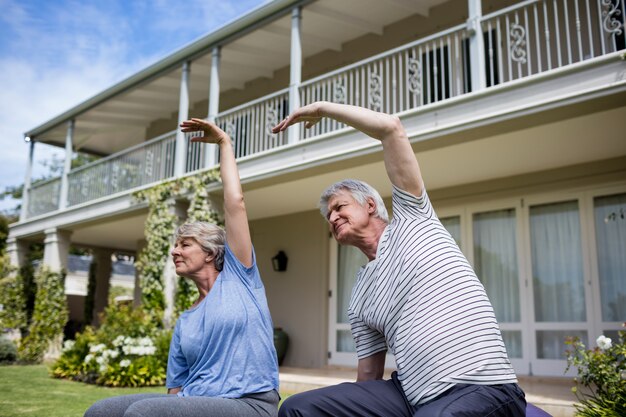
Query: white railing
{"x":250,"y":125}
{"x":43,"y":197}
{"x":142,"y":164}
{"x":422,"y":72}
{"x":540,"y":35}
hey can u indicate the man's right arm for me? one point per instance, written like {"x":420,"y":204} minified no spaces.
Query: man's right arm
{"x":400,"y":162}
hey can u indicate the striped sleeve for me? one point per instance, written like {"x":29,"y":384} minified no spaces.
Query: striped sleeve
{"x":368,"y":341}
{"x":408,"y":206}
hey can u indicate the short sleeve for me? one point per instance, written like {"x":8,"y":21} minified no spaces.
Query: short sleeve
{"x":233,"y":266}
{"x":177,"y":368}
{"x":368,"y":341}
{"x":406,"y":206}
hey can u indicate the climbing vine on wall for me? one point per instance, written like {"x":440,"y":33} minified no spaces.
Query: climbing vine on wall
{"x":49,"y":315}
{"x":159,"y":230}
{"x":13,"y":312}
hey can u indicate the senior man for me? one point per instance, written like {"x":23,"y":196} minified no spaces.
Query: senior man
{"x":417,"y":296}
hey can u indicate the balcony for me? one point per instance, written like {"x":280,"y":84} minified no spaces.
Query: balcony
{"x":518,"y":43}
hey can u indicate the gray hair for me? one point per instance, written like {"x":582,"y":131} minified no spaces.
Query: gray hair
{"x":210,"y":237}
{"x":360,"y":191}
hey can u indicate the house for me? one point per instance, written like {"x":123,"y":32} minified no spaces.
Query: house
{"x":516,"y":112}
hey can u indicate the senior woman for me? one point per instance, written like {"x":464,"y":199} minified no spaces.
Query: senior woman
{"x":222,"y":360}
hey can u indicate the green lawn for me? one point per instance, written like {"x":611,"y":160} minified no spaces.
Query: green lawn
{"x":28,"y":391}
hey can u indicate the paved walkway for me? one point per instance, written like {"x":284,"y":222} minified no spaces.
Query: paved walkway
{"x":551,"y":394}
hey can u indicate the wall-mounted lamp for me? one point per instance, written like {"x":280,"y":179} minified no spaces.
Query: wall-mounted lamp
{"x":279,"y":262}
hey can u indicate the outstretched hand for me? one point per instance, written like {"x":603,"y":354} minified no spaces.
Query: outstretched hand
{"x":309,"y":114}
{"x":211,"y":132}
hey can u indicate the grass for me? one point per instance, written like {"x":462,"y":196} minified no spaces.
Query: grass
{"x":29,"y":391}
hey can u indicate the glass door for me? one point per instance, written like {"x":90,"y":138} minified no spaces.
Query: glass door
{"x":345,"y":263}
{"x":560,"y":287}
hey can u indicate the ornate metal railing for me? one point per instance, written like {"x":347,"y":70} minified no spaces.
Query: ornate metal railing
{"x":43,"y":197}
{"x":250,"y":125}
{"x":142,"y":164}
{"x":541,"y":35}
{"x":422,"y":72}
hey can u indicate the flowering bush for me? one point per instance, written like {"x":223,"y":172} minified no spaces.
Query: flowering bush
{"x":128,"y":350}
{"x":602,"y":373}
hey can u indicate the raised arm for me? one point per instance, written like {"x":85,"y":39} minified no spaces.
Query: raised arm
{"x":235,"y":215}
{"x":400,"y":162}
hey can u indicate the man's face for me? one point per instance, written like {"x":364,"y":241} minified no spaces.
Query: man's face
{"x":347,"y":218}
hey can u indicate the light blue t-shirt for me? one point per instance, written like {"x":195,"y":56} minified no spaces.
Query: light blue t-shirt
{"x":224,"y":346}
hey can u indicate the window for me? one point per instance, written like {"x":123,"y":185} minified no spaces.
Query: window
{"x":610,"y":225}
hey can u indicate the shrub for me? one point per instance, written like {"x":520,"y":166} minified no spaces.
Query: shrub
{"x":602,"y":372}
{"x":128,"y":350}
{"x":8,"y":351}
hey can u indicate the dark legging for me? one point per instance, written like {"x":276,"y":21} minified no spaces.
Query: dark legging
{"x":167,"y":405}
{"x":383,"y":398}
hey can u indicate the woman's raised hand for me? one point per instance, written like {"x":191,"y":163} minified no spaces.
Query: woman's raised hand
{"x":211,"y":132}
{"x":310,"y":115}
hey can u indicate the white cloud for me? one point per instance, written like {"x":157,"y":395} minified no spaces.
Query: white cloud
{"x":54,"y":55}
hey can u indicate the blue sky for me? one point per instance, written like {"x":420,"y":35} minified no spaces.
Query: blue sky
{"x":55,"y":54}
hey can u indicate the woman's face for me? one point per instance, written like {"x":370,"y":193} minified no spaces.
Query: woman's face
{"x":189,"y":257}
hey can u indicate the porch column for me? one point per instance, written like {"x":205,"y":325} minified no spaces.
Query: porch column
{"x":69,"y":137}
{"x":56,"y":249}
{"x":210,"y":156}
{"x":476,"y":45}
{"x":141,"y":244}
{"x":102,"y":258}
{"x":26,"y":189}
{"x":170,"y":279}
{"x":295,"y":75}
{"x":183,"y":114}
{"x":17,"y":250}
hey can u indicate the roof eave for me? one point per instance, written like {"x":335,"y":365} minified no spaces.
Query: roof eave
{"x":208,"y":41}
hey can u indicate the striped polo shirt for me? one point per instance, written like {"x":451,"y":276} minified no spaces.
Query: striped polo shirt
{"x":421,"y":299}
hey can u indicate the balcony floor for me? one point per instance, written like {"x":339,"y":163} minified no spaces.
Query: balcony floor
{"x":551,"y":394}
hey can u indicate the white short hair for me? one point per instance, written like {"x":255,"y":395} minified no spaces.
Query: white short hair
{"x":360,"y":191}
{"x":210,"y":237}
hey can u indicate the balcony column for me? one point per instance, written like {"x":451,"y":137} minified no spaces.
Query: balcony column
{"x":102,"y":258}
{"x":170,"y":279}
{"x":69,"y":138}
{"x":17,"y":249}
{"x":210,"y":150}
{"x":56,"y":249}
{"x":295,"y":75}
{"x":27,"y":179}
{"x":476,"y":45}
{"x":183,"y":114}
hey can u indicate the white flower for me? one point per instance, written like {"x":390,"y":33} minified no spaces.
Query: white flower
{"x":109,"y":353}
{"x":101,"y":360}
{"x":604,"y":342}
{"x":118,"y":341}
{"x":124,"y":363}
{"x":88,"y":358}
{"x":97,"y":348}
{"x":68,"y":345}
